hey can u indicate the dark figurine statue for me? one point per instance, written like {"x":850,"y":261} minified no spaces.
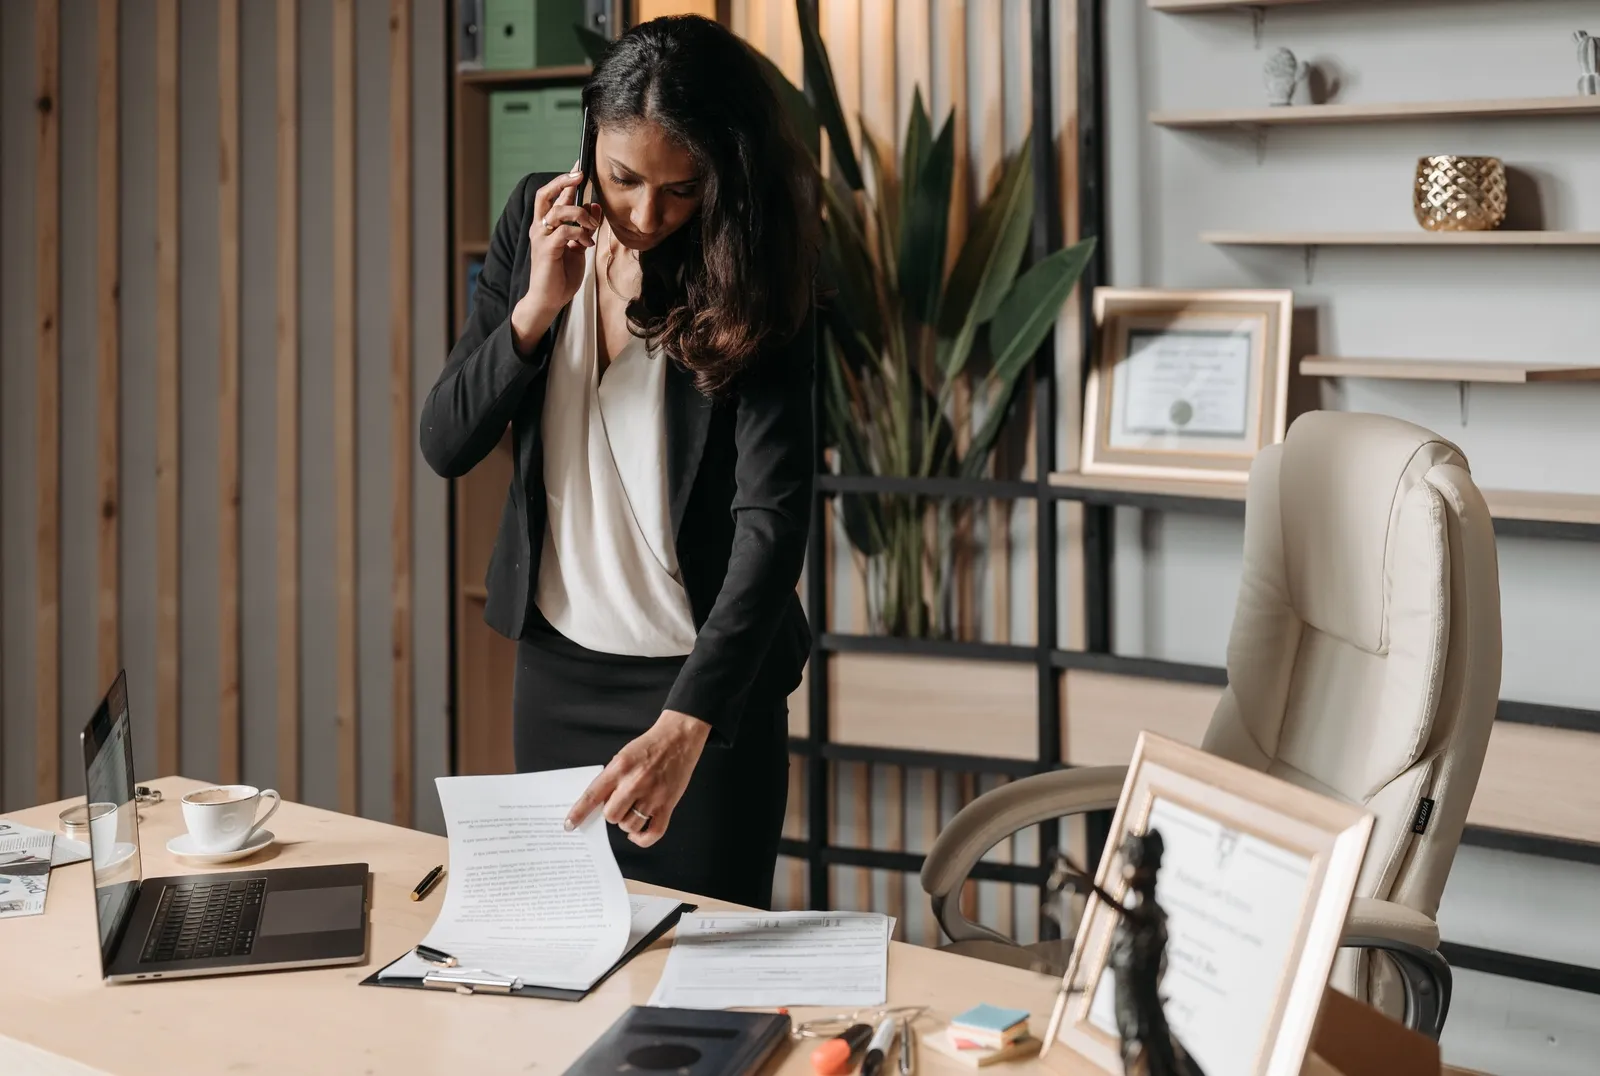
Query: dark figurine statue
{"x":1137,"y":959}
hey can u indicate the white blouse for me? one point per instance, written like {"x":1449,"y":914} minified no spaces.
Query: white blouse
{"x":608,"y":575}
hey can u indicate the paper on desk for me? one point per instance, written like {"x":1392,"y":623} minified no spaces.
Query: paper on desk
{"x":525,"y":898}
{"x":24,"y":871}
{"x":765,"y":960}
{"x":646,"y":914}
{"x":16,"y":837}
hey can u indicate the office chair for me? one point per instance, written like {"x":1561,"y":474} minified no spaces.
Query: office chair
{"x":1364,"y":663}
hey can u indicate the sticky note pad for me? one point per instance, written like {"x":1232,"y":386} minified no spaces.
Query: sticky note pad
{"x":991,"y":1018}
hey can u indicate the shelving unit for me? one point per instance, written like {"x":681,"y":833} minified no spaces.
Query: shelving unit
{"x":1417,"y":238}
{"x":537,"y":76}
{"x":1518,"y":513}
{"x":1181,"y":7}
{"x":1477,"y":372}
{"x":1397,"y":112}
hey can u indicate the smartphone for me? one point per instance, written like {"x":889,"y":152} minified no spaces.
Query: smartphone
{"x":585,"y":160}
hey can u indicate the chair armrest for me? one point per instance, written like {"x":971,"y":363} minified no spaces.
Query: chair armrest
{"x":1390,"y":921}
{"x":1411,"y":941}
{"x":997,"y":814}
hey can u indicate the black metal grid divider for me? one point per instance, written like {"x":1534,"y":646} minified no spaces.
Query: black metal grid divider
{"x":816,"y":749}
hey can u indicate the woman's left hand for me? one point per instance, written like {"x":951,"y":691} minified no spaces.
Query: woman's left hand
{"x":643,"y":782}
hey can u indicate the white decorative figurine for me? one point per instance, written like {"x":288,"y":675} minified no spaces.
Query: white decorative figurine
{"x":1282,"y":74}
{"x":1589,"y":57}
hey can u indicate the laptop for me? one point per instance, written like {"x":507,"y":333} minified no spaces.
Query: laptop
{"x":203,"y":924}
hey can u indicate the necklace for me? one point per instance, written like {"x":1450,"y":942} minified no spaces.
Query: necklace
{"x":611,"y":256}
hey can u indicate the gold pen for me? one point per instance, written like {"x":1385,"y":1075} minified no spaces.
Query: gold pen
{"x":427,"y":882}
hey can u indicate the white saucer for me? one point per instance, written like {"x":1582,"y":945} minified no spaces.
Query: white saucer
{"x":183,"y":847}
{"x":118,"y":853}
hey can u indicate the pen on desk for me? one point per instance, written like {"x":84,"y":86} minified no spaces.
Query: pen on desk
{"x":427,"y":882}
{"x":837,"y":1056}
{"x":882,"y":1041}
{"x":435,"y":956}
{"x":908,"y":1048}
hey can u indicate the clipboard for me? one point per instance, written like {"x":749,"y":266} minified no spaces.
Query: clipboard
{"x":551,"y":993}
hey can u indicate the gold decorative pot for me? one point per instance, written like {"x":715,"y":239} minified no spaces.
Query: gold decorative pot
{"x":1460,"y":194}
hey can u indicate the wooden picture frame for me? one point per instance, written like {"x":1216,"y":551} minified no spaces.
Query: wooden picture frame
{"x":1186,"y":384}
{"x":1256,"y":879}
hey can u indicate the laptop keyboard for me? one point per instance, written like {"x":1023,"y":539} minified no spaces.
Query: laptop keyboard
{"x":196,"y":921}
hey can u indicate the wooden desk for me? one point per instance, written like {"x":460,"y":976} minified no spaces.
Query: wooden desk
{"x":58,"y":1018}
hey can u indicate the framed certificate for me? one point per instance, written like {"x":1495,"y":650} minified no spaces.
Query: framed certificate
{"x":1256,"y":879}
{"x":1186,"y":384}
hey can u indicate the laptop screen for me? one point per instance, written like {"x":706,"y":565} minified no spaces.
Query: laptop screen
{"x":113,"y":815}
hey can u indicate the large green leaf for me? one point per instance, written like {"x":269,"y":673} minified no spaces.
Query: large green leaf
{"x":825,"y":97}
{"x":883,"y":206}
{"x":1032,"y":306}
{"x":973,"y":463}
{"x":918,"y":143}
{"x":990,"y":256}
{"x":924,"y":227}
{"x":863,"y":516}
{"x":848,"y":268}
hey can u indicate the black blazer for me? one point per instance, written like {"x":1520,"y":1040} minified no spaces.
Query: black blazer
{"x":739,"y":482}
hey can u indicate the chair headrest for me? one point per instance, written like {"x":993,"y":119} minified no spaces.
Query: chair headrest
{"x":1345,"y":481}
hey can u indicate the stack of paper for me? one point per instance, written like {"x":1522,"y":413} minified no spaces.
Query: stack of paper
{"x":16,"y":837}
{"x":24,"y":870}
{"x":526,"y":899}
{"x":764,"y":960}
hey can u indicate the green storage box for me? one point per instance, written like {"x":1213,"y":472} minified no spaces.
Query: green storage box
{"x":530,"y":131}
{"x":522,"y":34}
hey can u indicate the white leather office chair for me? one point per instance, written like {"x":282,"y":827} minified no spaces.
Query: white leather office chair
{"x":1364,"y":663}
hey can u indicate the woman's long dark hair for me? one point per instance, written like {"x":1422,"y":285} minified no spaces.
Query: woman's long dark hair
{"x":737,"y":276}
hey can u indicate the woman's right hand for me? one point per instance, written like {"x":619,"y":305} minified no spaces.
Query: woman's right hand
{"x":556,"y":253}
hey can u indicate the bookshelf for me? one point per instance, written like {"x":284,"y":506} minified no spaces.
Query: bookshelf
{"x":1471,"y":370}
{"x":1418,"y":238}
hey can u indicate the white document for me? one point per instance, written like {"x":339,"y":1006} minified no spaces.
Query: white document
{"x":60,"y":851}
{"x":646,"y":915}
{"x":1233,"y":904}
{"x":763,"y":960}
{"x":1181,"y":381}
{"x":525,"y":899}
{"x":24,"y":869}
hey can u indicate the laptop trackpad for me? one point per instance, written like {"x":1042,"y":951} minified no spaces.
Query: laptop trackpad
{"x":312,"y":911}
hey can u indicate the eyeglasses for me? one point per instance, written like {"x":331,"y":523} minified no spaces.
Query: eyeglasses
{"x":826,"y":1027}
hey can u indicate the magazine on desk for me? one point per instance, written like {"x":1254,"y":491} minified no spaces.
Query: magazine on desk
{"x":529,"y":905}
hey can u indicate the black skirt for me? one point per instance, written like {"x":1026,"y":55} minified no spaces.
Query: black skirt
{"x":579,"y":707}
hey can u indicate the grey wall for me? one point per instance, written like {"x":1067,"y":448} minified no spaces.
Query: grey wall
{"x":200,"y":419}
{"x":1176,"y":576}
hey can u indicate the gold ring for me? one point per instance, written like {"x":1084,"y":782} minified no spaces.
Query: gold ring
{"x":641,"y":814}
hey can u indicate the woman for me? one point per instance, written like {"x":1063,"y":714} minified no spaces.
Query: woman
{"x":652,"y":355}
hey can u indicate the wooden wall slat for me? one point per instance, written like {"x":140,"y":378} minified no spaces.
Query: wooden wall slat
{"x":1102,"y":714}
{"x":932,"y":822}
{"x":895,"y":700}
{"x":895,"y":840}
{"x":230,"y":759}
{"x":913,"y":59}
{"x":287,"y":432}
{"x":47,"y":297}
{"x":841,"y":32}
{"x":168,"y":698}
{"x":344,"y":402}
{"x":401,"y":420}
{"x":108,"y":379}
{"x":863,"y":789}
{"x":877,"y":60}
{"x":1069,"y":394}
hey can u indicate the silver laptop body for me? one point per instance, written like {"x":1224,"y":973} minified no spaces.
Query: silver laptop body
{"x":191,"y":925}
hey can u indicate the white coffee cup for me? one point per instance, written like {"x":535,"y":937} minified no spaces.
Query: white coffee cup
{"x":222,"y":818}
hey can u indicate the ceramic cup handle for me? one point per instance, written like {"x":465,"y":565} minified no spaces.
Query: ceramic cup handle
{"x":256,"y":828}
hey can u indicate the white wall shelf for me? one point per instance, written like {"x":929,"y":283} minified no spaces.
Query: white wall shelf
{"x":1465,"y":370}
{"x":1396,"y":112}
{"x":1402,"y":239}
{"x":1503,"y":504}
